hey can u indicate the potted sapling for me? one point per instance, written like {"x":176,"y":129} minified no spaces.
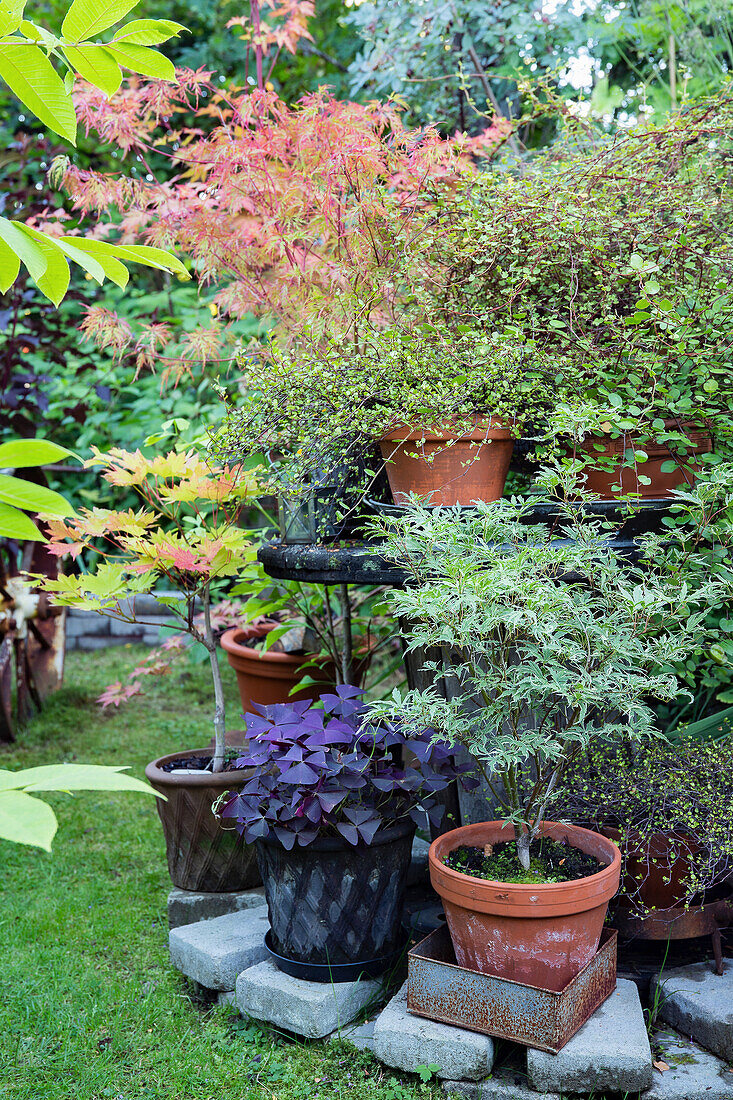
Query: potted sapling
{"x":549,"y":640}
{"x":184,"y":539}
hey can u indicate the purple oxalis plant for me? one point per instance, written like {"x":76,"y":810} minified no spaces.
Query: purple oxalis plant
{"x":329,"y":770}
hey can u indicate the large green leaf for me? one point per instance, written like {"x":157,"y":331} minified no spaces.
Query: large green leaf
{"x":31,"y":76}
{"x":86,"y":18}
{"x":73,"y":247}
{"x":151,"y":257}
{"x":11,"y":15}
{"x":26,"y":820}
{"x":55,"y":280}
{"x":9,"y":266}
{"x":96,"y":65}
{"x":33,"y":498}
{"x":29,"y":251}
{"x":142,"y":60}
{"x":148,"y":32}
{"x":15,"y":524}
{"x":101,"y":254}
{"x":74,"y":777}
{"x":30,"y":452}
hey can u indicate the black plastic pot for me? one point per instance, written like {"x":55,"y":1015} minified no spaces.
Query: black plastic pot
{"x":333,"y":904}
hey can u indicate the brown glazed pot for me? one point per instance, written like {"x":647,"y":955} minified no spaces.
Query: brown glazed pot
{"x":601,"y":482}
{"x":202,"y":855}
{"x":268,"y":678}
{"x":540,"y":935}
{"x":473,"y":468}
{"x":649,"y":861}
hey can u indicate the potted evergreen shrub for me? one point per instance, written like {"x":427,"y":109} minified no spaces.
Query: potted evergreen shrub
{"x":589,"y":251}
{"x":549,"y":641}
{"x":443,"y":403}
{"x":331,"y":811}
{"x":184,"y":540}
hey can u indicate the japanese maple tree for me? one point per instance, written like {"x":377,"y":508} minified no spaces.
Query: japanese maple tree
{"x":185,"y":537}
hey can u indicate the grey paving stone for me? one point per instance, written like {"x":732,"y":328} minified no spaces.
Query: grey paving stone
{"x":499,"y":1086}
{"x":360,"y":1036}
{"x":310,"y":1009}
{"x":693,"y":1073}
{"x":611,"y":1051}
{"x":404,"y":1041}
{"x":418,"y":872}
{"x":190,"y":906}
{"x":213,"y":952}
{"x":699,"y":1003}
{"x":226,"y":997}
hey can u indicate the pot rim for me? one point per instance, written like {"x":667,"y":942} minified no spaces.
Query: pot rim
{"x":232,"y":778}
{"x":485,"y":427}
{"x":230,"y":642}
{"x":509,"y":898}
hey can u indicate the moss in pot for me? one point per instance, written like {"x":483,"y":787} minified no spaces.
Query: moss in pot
{"x":549,"y":640}
{"x":332,"y":809}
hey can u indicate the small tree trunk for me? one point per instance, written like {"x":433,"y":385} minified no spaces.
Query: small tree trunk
{"x":523,"y":843}
{"x":219,"y":713}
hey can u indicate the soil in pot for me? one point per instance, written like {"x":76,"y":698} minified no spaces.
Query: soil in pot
{"x":540,"y":934}
{"x":600,"y":482}
{"x":202,"y":855}
{"x":550,"y":861}
{"x":445,"y":465}
{"x":332,"y":903}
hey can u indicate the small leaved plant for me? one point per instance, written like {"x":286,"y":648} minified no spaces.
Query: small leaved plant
{"x":184,"y":539}
{"x":549,"y":637}
{"x":330,"y":770}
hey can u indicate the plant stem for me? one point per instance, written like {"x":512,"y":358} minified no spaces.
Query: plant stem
{"x":347,"y":641}
{"x":219,"y":714}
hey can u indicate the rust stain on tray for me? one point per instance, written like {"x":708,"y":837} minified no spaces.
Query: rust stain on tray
{"x":440,"y":989}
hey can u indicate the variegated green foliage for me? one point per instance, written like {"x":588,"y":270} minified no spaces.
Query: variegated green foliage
{"x":40,"y":68}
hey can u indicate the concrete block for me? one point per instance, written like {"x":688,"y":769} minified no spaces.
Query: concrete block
{"x":86,"y":622}
{"x":404,"y":1041}
{"x":699,"y":1003}
{"x":310,"y":1009}
{"x":692,"y":1073}
{"x":190,"y":906}
{"x":418,"y":872}
{"x":610,"y":1053}
{"x":95,"y":642}
{"x":360,"y":1036}
{"x":213,"y":952}
{"x":500,"y":1086}
{"x":126,"y":630}
{"x":226,"y":998}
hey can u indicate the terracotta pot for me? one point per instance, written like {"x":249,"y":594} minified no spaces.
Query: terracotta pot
{"x":268,"y":678}
{"x":202,"y":855}
{"x":541,"y":935}
{"x":649,"y":861}
{"x":601,"y":482}
{"x":473,"y":468}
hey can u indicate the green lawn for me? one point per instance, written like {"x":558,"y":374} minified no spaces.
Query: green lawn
{"x":89,"y":1005}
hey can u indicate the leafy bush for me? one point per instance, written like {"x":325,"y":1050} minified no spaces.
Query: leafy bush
{"x":683,"y":791}
{"x":331,"y":771}
{"x":549,"y":639}
{"x":615,"y":256}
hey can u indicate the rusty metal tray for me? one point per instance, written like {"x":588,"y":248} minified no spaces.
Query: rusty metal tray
{"x":440,"y":989}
